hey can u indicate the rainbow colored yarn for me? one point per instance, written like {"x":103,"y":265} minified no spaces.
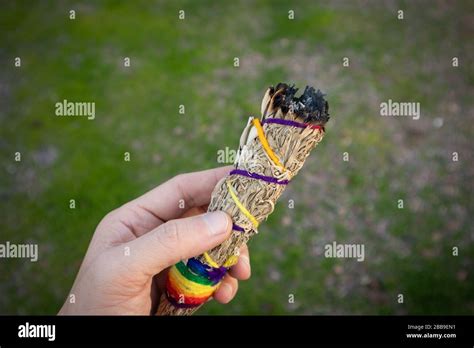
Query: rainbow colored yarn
{"x":192,"y":283}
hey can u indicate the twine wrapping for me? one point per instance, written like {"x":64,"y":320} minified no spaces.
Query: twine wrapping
{"x":272,"y":151}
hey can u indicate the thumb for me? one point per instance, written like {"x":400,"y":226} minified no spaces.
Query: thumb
{"x":176,"y":240}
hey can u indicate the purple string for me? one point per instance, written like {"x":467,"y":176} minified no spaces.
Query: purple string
{"x":258,"y":176}
{"x":215,"y":275}
{"x":284,"y":122}
{"x":237,"y":228}
{"x":291,"y":123}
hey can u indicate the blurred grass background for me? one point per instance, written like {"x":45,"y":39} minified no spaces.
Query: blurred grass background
{"x":190,"y":62}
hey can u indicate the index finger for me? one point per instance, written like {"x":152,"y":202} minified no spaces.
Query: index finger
{"x":181,"y":193}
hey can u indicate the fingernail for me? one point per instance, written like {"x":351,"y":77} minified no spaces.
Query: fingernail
{"x":217,"y":222}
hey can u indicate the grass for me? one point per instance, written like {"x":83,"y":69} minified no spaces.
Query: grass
{"x":190,"y":62}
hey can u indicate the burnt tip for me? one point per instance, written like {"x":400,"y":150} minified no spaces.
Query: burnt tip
{"x":310,"y":106}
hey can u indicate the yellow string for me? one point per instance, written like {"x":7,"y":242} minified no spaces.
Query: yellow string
{"x":210,"y":261}
{"x":266,"y":146}
{"x":241,"y":206}
{"x":232,"y":260}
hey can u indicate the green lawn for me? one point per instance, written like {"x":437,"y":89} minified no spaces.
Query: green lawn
{"x":190,"y":62}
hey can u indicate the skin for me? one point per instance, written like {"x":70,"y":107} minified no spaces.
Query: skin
{"x":125,"y":267}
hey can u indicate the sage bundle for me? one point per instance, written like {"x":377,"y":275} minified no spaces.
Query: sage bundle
{"x":272,"y":151}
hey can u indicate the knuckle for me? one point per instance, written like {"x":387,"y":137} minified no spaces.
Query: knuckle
{"x":111,"y":215}
{"x":114,"y":214}
{"x":177,"y":179}
{"x":169,"y":236}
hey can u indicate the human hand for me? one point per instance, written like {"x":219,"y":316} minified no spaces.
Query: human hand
{"x":124,"y":270}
